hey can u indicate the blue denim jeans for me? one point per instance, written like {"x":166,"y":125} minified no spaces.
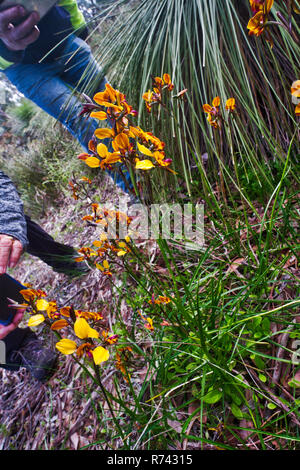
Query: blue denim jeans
{"x":51,"y":85}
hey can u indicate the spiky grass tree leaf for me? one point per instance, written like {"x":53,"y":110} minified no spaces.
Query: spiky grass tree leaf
{"x":205,"y":48}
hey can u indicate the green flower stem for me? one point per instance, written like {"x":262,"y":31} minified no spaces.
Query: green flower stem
{"x":103,"y":390}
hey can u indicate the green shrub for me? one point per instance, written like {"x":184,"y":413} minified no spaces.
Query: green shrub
{"x":41,"y":163}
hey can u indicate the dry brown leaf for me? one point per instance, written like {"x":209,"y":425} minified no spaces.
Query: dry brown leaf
{"x":176,"y":425}
{"x":234,"y":266}
{"x":74,"y":440}
{"x":290,"y":262}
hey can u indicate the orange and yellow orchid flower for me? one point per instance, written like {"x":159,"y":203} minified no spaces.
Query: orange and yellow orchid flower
{"x":257,"y":23}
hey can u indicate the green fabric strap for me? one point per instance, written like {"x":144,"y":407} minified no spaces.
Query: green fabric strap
{"x":4,"y":63}
{"x":77,"y":18}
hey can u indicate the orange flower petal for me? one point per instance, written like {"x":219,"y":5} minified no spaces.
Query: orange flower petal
{"x":207,"y":108}
{"x":101,"y":115}
{"x":59,"y":324}
{"x":216,"y":102}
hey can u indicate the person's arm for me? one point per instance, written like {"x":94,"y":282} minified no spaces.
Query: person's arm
{"x":13,"y":227}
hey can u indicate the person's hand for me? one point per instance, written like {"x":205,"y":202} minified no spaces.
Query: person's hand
{"x":17,"y":38}
{"x":5,"y":330}
{"x":10,"y":252}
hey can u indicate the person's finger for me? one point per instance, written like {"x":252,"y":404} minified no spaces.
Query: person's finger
{"x":15,"y":253}
{"x":32,"y":37}
{"x":5,"y":330}
{"x":18,"y":317}
{"x":25,"y":28}
{"x":11,"y":15}
{"x":5,"y":249}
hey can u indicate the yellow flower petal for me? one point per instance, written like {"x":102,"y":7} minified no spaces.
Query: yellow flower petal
{"x":106,"y":264}
{"x":144,"y":165}
{"x":66,"y":346}
{"x":100,"y":355}
{"x":230,"y":104}
{"x":102,"y":150}
{"x":149,"y":325}
{"x":144,"y":150}
{"x":121,"y":253}
{"x":92,"y":162}
{"x":36,"y":320}
{"x":42,"y":304}
{"x":104,"y":133}
{"x":83,"y":330}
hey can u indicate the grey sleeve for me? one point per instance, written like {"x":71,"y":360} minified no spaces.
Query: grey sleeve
{"x":12,"y":219}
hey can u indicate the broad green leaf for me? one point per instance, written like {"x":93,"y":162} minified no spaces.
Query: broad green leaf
{"x":236,"y":411}
{"x":213,"y":396}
